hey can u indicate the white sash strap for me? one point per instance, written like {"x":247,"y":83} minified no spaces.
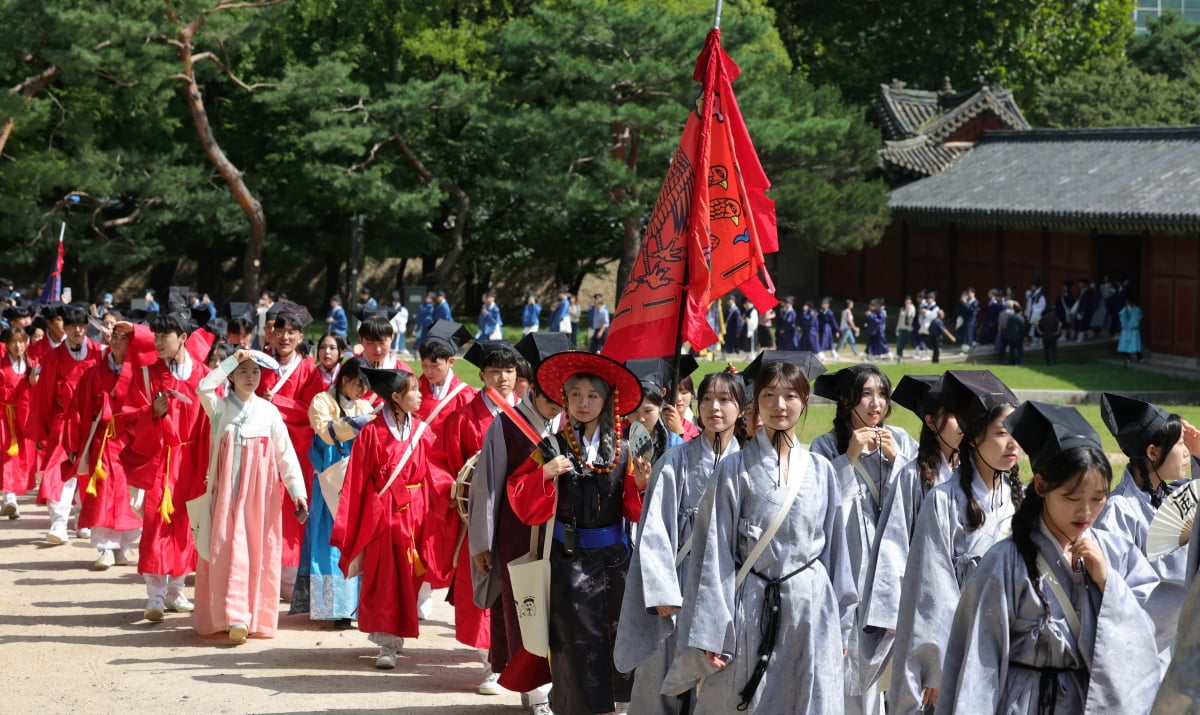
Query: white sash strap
{"x":441,"y":405}
{"x":764,"y":541}
{"x":685,"y":549}
{"x":408,"y":453}
{"x":866,"y":477}
{"x":1060,"y":595}
{"x":279,"y":385}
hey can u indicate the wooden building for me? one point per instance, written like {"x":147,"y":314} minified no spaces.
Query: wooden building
{"x":1051,"y":204}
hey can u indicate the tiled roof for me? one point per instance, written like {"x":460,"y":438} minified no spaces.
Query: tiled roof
{"x":1137,"y":178}
{"x":920,"y":157}
{"x":916,"y":123}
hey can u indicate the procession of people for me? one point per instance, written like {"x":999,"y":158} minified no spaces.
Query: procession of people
{"x":695,"y":556}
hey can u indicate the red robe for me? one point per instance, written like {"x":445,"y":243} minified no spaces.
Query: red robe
{"x":39,"y":349}
{"x":17,"y":453}
{"x":292,"y":401}
{"x":533,"y":498}
{"x":103,"y":491}
{"x":51,"y":400}
{"x":168,"y":457}
{"x":383,"y":530}
{"x":461,"y":438}
{"x":428,"y":403}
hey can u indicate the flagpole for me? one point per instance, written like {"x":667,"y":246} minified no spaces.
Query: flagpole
{"x":717,"y":17}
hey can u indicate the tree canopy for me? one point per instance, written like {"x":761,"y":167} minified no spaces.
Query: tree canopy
{"x":492,"y":140}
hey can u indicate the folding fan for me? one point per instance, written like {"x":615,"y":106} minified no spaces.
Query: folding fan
{"x":1174,"y":515}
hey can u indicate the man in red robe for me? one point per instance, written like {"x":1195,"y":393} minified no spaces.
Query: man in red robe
{"x":61,"y":370}
{"x":94,"y":438}
{"x":441,"y":391}
{"x":54,"y":336}
{"x":441,"y":394}
{"x":291,"y":389}
{"x":460,"y":440}
{"x":168,"y":454}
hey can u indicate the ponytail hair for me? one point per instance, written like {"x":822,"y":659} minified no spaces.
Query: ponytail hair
{"x":1164,"y":438}
{"x":929,"y":448}
{"x":972,"y":431}
{"x":1065,"y":469}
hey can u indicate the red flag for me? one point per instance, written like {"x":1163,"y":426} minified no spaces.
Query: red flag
{"x":708,"y":230}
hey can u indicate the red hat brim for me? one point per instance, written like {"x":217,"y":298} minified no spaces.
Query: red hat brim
{"x":555,"y":370}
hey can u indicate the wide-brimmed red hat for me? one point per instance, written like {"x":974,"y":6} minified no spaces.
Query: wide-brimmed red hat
{"x":554,"y":371}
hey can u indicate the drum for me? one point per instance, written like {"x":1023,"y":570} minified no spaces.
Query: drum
{"x":461,"y":487}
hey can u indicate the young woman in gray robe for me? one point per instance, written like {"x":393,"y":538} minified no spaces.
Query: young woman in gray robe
{"x":774,"y":644}
{"x":659,"y":566}
{"x":866,"y":455}
{"x":1053,"y":620}
{"x":957,"y":523}
{"x":936,"y":462}
{"x":1157,"y":445}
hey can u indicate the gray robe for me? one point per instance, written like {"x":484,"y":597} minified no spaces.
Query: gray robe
{"x":860,"y":511}
{"x":1129,"y":512}
{"x":645,"y":640}
{"x":1000,"y":620}
{"x":941,"y":556}
{"x":1180,"y":690}
{"x":880,"y":603}
{"x":490,"y":479}
{"x":805,"y":672}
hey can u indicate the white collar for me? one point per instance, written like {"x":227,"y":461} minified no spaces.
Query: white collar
{"x":77,"y":356}
{"x":289,"y":367}
{"x":388,"y":363}
{"x":400,"y":432}
{"x":19,"y":367}
{"x":707,"y":458}
{"x":991,"y":500}
{"x":591,"y":447}
{"x":1066,"y":557}
{"x":113,"y":365}
{"x":492,"y":406}
{"x":181,"y":370}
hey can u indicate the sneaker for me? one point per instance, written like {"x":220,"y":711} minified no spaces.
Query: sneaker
{"x":83,"y":533}
{"x":541,"y":709}
{"x":424,"y":607}
{"x":154,"y":609}
{"x":105,"y":561}
{"x":10,"y":509}
{"x":57,"y":535}
{"x":491,"y":685}
{"x":386,"y":659}
{"x":238,"y":633}
{"x":121,"y":558}
{"x":179,"y":604}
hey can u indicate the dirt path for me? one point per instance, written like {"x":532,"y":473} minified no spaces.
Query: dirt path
{"x":73,"y":640}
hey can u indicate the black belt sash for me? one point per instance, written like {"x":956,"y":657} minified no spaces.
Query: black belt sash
{"x":1047,"y":684}
{"x":769,"y":624}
